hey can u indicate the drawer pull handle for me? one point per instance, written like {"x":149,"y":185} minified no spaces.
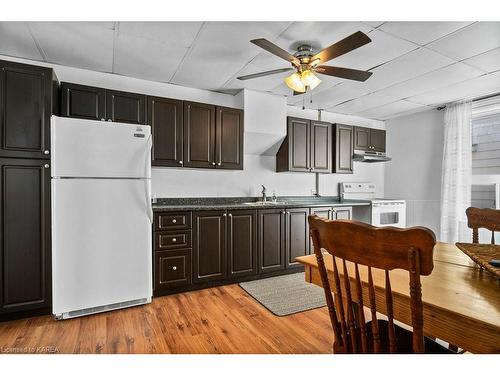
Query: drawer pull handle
{"x":174,"y":221}
{"x":174,"y":268}
{"x":174,"y":239}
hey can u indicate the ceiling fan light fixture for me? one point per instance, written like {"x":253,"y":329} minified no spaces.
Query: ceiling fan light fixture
{"x":309,"y":79}
{"x":294,"y":81}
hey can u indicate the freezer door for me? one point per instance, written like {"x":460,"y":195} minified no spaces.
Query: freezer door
{"x":101,"y":243}
{"x":85,"y":148}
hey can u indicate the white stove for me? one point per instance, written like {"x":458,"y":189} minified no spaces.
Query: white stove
{"x":385,"y":212}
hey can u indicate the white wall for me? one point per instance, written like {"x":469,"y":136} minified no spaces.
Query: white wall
{"x":265,"y":128}
{"x":415,"y":143}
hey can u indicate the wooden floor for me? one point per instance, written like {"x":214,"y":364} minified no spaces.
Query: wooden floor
{"x":216,"y":320}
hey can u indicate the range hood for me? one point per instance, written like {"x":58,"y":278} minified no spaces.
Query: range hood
{"x":370,"y":156}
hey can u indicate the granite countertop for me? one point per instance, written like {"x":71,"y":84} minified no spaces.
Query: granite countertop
{"x":241,"y":203}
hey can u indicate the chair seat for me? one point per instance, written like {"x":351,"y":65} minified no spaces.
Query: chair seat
{"x":404,"y":340}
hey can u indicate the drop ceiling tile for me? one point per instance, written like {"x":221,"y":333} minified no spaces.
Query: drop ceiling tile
{"x":16,"y":40}
{"x":374,"y":23}
{"x":469,"y":41}
{"x":407,"y":112}
{"x":363,"y":103}
{"x":331,"y":97}
{"x":389,"y":109}
{"x":442,"y":77}
{"x":146,"y":58}
{"x":87,"y":45}
{"x":422,"y":32}
{"x":174,"y":34}
{"x":221,"y":50}
{"x":483,"y":85}
{"x":382,"y":48}
{"x":488,"y":61}
{"x":405,"y":67}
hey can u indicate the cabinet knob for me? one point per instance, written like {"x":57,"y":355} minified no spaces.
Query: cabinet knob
{"x":230,"y":215}
{"x":174,"y":239}
{"x":109,"y":119}
{"x":213,"y":163}
{"x":103,"y":119}
{"x":46,"y":152}
{"x":46,"y":166}
{"x":174,"y":221}
{"x":174,"y":268}
{"x":181,"y":162}
{"x":224,"y":215}
{"x":219,"y":164}
{"x":288,"y":212}
{"x":283,"y":212}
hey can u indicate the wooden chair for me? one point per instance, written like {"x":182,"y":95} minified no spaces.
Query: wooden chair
{"x":382,"y":248}
{"x":487,"y":218}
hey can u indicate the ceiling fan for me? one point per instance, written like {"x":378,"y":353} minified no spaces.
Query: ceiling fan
{"x":306,"y":63}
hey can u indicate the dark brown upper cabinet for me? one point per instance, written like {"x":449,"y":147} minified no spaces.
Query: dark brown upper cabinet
{"x":306,"y":148}
{"x":343,"y":148}
{"x":296,"y":235}
{"x":95,"y":103}
{"x":125,"y":107}
{"x":242,"y":243}
{"x":84,"y":102}
{"x":209,"y":246}
{"x":26,"y":105}
{"x":166,"y":119}
{"x":271,"y":240}
{"x":367,"y":139}
{"x":199,"y":135}
{"x":25,"y":259}
{"x":229,"y":138}
{"x":213,"y":136}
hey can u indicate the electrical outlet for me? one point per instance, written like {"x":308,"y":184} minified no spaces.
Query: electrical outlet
{"x":313,"y":191}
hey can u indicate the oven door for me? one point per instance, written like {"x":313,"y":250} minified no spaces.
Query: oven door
{"x":387,"y":214}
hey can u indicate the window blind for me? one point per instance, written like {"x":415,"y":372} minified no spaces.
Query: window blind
{"x":486,"y":136}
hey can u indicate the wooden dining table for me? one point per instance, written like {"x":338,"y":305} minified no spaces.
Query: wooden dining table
{"x":461,"y":301}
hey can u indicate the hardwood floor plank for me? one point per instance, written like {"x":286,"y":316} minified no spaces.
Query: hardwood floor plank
{"x":217,"y":320}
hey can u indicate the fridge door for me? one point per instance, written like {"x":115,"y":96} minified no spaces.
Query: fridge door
{"x":85,"y":148}
{"x":101,"y":243}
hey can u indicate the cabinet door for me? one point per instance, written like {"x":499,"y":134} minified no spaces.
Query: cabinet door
{"x":242,"y":243}
{"x":83,"y":101}
{"x":25,"y":109}
{"x":361,"y":138}
{"x":209,"y":246}
{"x":343,"y":148}
{"x":297,"y":235}
{"x":229,"y":138}
{"x":343,"y":213}
{"x":271,"y":241}
{"x":25,"y":263}
{"x":172,"y":269}
{"x":321,"y":147}
{"x":299,"y":143}
{"x":199,"y":135}
{"x":125,"y":107}
{"x":165,"y":118}
{"x":377,"y":140}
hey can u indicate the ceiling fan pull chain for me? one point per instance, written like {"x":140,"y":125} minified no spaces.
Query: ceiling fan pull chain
{"x":303,"y":102}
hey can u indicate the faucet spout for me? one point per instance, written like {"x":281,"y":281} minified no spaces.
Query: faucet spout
{"x":264,"y":194}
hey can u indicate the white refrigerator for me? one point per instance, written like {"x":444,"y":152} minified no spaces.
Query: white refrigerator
{"x":101,"y":216}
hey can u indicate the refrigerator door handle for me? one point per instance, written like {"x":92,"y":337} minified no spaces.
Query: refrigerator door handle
{"x":148,"y":180}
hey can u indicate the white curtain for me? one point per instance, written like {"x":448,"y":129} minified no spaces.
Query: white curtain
{"x":456,"y":172}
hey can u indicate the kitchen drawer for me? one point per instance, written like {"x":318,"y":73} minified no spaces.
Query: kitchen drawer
{"x":172,"y":269}
{"x":172,"y":240}
{"x":172,"y":220}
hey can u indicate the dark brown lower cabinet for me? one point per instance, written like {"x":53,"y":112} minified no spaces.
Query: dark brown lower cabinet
{"x":209,"y":246}
{"x":271,"y":241}
{"x":242,"y":243}
{"x":296,"y":235}
{"x":172,"y":269}
{"x":25,"y":255}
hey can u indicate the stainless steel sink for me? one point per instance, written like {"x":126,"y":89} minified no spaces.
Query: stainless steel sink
{"x":268,"y":203}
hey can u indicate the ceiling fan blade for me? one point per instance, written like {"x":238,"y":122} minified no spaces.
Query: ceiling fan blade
{"x":298,"y":93}
{"x":348,"y":44}
{"x":263,"y":74}
{"x":354,"y":74}
{"x":275,"y":50}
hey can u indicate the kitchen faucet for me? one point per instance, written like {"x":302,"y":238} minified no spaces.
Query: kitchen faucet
{"x":264,"y":195}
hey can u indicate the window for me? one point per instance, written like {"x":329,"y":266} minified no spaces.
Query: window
{"x":486,"y":153}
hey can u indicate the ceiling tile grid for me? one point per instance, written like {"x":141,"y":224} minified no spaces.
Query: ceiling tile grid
{"x":415,"y":65}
